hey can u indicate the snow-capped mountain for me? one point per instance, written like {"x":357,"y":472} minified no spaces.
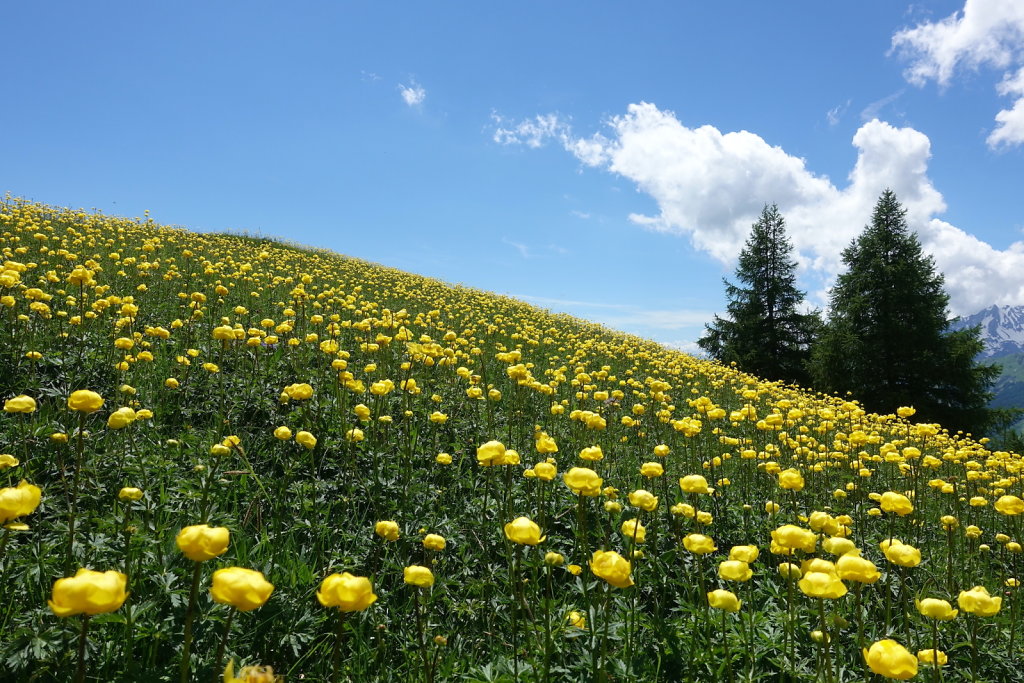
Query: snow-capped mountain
{"x":1002,"y":329}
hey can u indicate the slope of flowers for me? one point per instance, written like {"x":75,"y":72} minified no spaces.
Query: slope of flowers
{"x":223,"y":450}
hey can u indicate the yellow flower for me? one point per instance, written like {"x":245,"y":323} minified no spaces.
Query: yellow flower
{"x":244,"y":589}
{"x":822,"y":585}
{"x":795,"y":538}
{"x":545,"y":444}
{"x":438,"y":417}
{"x":20,"y":404}
{"x":574,"y":569}
{"x":634,"y":530}
{"x":88,"y":592}
{"x":18,"y":501}
{"x":387,"y":530}
{"x":282,"y":433}
{"x":121,"y":418}
{"x":735,"y":570}
{"x":434,"y":542}
{"x":523,"y":531}
{"x":851,"y":567}
{"x":249,"y":674}
{"x":129,"y":493}
{"x":416,"y":575}
{"x":724,"y":600}
{"x":85,"y":401}
{"x":1010,"y":505}
{"x":443,"y":459}
{"x":306,"y":440}
{"x":362,"y":412}
{"x":8,"y":460}
{"x":978,"y":602}
{"x":545,"y":471}
{"x":577,"y":620}
{"x":354,"y":435}
{"x":491,"y":453}
{"x":694,"y":483}
{"x":896,"y":502}
{"x":791,"y":480}
{"x":788,"y":570}
{"x":298,"y":392}
{"x":744,"y":553}
{"x":612,"y":567}
{"x":644,"y":500}
{"x":837,"y":545}
{"x":553,"y":559}
{"x":900,"y":553}
{"x":592,"y":453}
{"x":346,"y":592}
{"x":699,"y":544}
{"x":936,"y":609}
{"x":583,"y":481}
{"x":652,"y":470}
{"x":932,"y":657}
{"x":890,"y":659}
{"x":202,"y":542}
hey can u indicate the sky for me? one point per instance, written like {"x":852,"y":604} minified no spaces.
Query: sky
{"x":605,"y":159}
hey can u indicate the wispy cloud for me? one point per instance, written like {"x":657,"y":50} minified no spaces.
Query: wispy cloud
{"x":528,"y":252}
{"x":583,"y":215}
{"x":835,"y":114}
{"x":873,"y":109}
{"x":564,"y":303}
{"x":413,"y":94}
{"x":523,"y":250}
{"x":532,"y":132}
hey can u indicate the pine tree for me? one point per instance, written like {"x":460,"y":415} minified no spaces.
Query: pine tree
{"x":888,"y":340}
{"x":764,"y":333}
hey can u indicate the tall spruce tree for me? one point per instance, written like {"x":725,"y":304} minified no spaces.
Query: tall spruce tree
{"x":887,"y":340}
{"x":764,"y":333}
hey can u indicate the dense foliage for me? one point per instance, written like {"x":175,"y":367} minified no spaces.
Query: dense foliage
{"x":268,"y":455}
{"x":888,"y":338}
{"x":765,"y":333}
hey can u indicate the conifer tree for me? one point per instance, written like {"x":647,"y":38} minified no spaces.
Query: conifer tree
{"x":888,"y":340}
{"x":764,"y":333}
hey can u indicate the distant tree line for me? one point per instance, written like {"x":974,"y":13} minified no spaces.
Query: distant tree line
{"x":886,"y":339}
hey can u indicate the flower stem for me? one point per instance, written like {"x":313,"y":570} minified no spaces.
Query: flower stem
{"x":336,"y":653}
{"x":223,"y":645}
{"x":186,"y":647}
{"x":82,"y":635}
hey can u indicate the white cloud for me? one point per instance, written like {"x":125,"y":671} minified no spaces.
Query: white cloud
{"x":710,"y":186}
{"x":625,"y":317}
{"x":983,"y":33}
{"x":413,"y":94}
{"x":875,"y":108}
{"x":530,"y":132}
{"x":528,"y":252}
{"x":835,"y":114}
{"x":523,"y":250}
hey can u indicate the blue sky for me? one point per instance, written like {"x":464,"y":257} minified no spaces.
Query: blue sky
{"x":602,"y":158}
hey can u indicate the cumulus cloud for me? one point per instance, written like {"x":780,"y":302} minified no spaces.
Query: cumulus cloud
{"x":984,"y":33}
{"x":710,"y":187}
{"x":413,"y":94}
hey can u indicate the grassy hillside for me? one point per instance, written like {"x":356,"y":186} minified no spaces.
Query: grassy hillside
{"x":337,"y":417}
